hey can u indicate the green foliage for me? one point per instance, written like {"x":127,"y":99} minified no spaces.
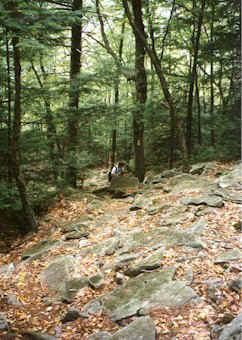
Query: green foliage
{"x":44,"y":42}
{"x":9,"y":197}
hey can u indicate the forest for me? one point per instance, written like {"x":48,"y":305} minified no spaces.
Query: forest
{"x":84,"y":84}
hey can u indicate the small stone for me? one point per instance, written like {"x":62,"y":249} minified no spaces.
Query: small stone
{"x":71,"y":315}
{"x":119,"y":278}
{"x":96,"y":281}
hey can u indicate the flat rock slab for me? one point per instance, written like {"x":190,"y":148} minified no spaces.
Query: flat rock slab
{"x":39,"y":249}
{"x":232,"y":331}
{"x":145,"y":291}
{"x":57,"y":273}
{"x":232,"y":179}
{"x":230,"y":255}
{"x":227,"y":195}
{"x":209,"y":200}
{"x":76,"y":226}
{"x":150,"y":262}
{"x":142,"y":328}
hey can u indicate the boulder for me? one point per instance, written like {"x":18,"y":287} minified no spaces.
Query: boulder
{"x":28,"y":335}
{"x":142,"y":328}
{"x":76,"y":226}
{"x":71,"y":287}
{"x":209,"y":200}
{"x":96,"y":281}
{"x":233,"y":330}
{"x":39,"y":249}
{"x":57,"y":273}
{"x":71,"y":315}
{"x":233,"y":179}
{"x":147,"y":290}
{"x":100,"y":336}
{"x":230,"y":255}
{"x":3,"y":322}
{"x":152,"y":261}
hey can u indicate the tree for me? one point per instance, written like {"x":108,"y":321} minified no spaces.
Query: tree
{"x":155,"y":61}
{"x":31,"y":224}
{"x":193,"y":75}
{"x":141,"y":91}
{"x":75,"y":67}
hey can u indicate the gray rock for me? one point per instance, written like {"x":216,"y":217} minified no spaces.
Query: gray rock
{"x":152,"y":261}
{"x":71,"y":287}
{"x":12,"y":300}
{"x":6,"y":270}
{"x":170,"y":173}
{"x":182,"y":178}
{"x":210,"y":200}
{"x":3,"y":322}
{"x":164,"y":236}
{"x":73,"y":235}
{"x":96,"y":281}
{"x":233,"y":179}
{"x":28,"y":335}
{"x":124,"y":259}
{"x":188,"y":276}
{"x":57,"y":273}
{"x":76,"y":226}
{"x":112,"y":246}
{"x":145,"y":291}
{"x":238,"y":226}
{"x":236,"y":285}
{"x":100,"y":336}
{"x":123,"y":182}
{"x":197,"y":169}
{"x":233,"y":331}
{"x":71,"y":315}
{"x":39,"y":249}
{"x":177,"y":215}
{"x":119,"y":278}
{"x":234,"y":197}
{"x":198,"y":226}
{"x":93,"y":307}
{"x":230,"y":255}
{"x":140,"y":203}
{"x":142,"y":328}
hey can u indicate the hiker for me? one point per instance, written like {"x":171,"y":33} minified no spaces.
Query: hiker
{"x":116,"y":171}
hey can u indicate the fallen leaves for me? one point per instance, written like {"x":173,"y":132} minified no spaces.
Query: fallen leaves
{"x":184,"y":323}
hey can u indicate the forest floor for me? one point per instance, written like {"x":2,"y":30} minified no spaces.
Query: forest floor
{"x":191,"y":321}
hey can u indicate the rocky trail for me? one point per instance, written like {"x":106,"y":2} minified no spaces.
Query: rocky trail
{"x":161,"y":260}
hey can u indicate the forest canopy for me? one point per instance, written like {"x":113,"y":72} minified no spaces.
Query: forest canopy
{"x":85,"y":83}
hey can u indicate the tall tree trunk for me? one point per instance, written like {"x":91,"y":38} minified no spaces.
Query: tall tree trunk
{"x":114,"y":143}
{"x":159,"y":71}
{"x":73,"y":121}
{"x":116,"y":97}
{"x":141,"y":92}
{"x":212,"y":136}
{"x":199,"y":129}
{"x":10,"y":172}
{"x":31,"y":224}
{"x":192,"y":79}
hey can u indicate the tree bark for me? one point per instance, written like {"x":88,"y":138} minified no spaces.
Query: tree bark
{"x":199,"y":127}
{"x":159,"y":71}
{"x":212,"y":131}
{"x":141,"y":92}
{"x":73,"y":121}
{"x":192,"y":80}
{"x":31,"y":224}
{"x":10,"y":172}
